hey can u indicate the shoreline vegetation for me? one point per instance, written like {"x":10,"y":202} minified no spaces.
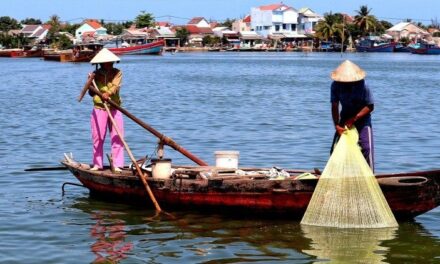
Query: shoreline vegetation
{"x":282,"y":28}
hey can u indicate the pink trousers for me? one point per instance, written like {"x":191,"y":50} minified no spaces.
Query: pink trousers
{"x":99,"y":122}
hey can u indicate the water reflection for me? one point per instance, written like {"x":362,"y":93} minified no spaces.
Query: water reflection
{"x":194,"y":237}
{"x":110,"y":235}
{"x":338,"y":245}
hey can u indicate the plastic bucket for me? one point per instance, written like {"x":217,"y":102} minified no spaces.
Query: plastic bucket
{"x":226,"y":159}
{"x":161,"y":168}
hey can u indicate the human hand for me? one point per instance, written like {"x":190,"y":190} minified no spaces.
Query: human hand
{"x":339,"y":129}
{"x":105,"y":96}
{"x":350,"y":122}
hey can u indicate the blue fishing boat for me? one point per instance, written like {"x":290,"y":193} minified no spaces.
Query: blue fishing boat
{"x":375,"y":45}
{"x":426,"y":49}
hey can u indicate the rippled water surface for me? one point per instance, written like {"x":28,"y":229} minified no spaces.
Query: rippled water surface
{"x":273,"y":108}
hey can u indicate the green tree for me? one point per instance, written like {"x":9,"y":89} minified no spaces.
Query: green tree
{"x":31,"y":21}
{"x":366,"y":22}
{"x":327,"y":28}
{"x":211,"y":40}
{"x":182,"y":34}
{"x":144,"y":20}
{"x":15,"y":41}
{"x":114,"y":28}
{"x":8,"y":23}
{"x":227,"y":23}
{"x":385,"y":25}
{"x":55,"y":23}
{"x":71,"y":28}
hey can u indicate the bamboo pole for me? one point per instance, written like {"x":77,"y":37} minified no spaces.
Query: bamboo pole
{"x":164,"y":139}
{"x":133,"y":160}
{"x":86,"y":86}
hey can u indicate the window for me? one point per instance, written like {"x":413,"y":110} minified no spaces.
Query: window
{"x":277,"y":27}
{"x":293,"y":27}
{"x":284,"y":26}
{"x":266,"y":27}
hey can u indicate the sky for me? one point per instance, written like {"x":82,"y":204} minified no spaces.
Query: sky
{"x":179,"y":11}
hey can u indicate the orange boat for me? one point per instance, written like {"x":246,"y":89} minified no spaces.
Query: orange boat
{"x":79,"y":53}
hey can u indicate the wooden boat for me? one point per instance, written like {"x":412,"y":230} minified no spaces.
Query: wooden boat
{"x":79,"y":53}
{"x":11,"y":53}
{"x":426,"y":49}
{"x":375,"y":45}
{"x":153,"y":48}
{"x":225,"y":190}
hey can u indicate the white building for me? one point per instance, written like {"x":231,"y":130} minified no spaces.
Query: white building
{"x":243,"y":24}
{"x":35,"y":32}
{"x":308,"y":20}
{"x":407,"y":30}
{"x":274,"y":19}
{"x":90,"y":29}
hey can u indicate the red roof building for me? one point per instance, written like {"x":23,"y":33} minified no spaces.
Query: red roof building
{"x":272,"y":7}
{"x":93,"y":23}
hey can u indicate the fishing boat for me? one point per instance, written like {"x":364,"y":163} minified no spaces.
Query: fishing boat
{"x":152,"y":48}
{"x":374,"y":44}
{"x":11,"y":53}
{"x":250,"y":190}
{"x":426,"y":49}
{"x":79,"y":53}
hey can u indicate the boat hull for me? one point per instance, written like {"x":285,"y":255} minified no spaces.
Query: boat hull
{"x":12,"y":53}
{"x":154,"y":48}
{"x":379,"y":48}
{"x":408,"y":194}
{"x":426,"y":51}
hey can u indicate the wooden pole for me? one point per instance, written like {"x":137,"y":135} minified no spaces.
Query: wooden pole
{"x":133,"y":160}
{"x":166,"y":140}
{"x":86,"y":87}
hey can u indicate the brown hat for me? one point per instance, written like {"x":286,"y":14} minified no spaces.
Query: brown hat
{"x":348,"y":72}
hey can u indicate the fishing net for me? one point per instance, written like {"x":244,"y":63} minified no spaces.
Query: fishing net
{"x":347,"y":194}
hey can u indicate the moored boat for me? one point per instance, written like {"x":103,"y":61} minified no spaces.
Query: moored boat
{"x":252,"y":190}
{"x":375,"y":45}
{"x":426,"y":49}
{"x":153,"y":48}
{"x":79,"y":53}
{"x":11,"y":53}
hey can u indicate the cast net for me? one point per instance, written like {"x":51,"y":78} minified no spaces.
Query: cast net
{"x":347,"y":194}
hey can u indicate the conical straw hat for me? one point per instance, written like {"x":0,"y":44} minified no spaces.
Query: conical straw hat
{"x":348,"y":72}
{"x":104,"y":56}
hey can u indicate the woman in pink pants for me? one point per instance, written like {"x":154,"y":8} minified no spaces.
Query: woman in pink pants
{"x":108,"y":79}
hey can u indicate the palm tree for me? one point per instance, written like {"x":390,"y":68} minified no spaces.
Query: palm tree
{"x":326,"y":28}
{"x":365,"y":21}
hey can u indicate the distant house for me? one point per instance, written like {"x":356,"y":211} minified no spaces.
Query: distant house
{"x":407,"y":30}
{"x":163,"y":24}
{"x":199,"y":22}
{"x":274,"y":19}
{"x":308,"y":20}
{"x":249,"y":39}
{"x":198,"y":28}
{"x":165,"y":33}
{"x":243,"y":24}
{"x":90,"y":29}
{"x":36,"y":33}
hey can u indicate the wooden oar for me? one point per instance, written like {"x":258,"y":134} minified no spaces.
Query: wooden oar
{"x":46,"y":169}
{"x":133,"y":160}
{"x":166,"y":140}
{"x":86,"y":86}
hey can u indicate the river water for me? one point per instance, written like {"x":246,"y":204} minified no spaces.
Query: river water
{"x":272,"y":107}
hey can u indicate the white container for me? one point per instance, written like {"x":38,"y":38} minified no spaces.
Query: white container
{"x":226,"y":159}
{"x":161,"y":168}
